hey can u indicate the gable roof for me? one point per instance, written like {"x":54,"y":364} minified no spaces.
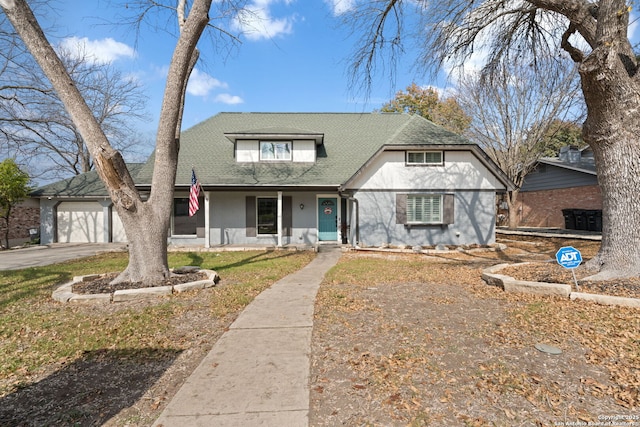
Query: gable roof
{"x":87,"y":184}
{"x":348,"y":141}
{"x":585,"y":165}
{"x":345,"y":142}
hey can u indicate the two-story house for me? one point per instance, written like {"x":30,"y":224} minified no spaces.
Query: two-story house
{"x":305,"y":179}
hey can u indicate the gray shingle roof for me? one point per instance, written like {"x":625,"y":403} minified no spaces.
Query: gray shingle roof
{"x":586,"y":165}
{"x":350,"y":139}
{"x":85,"y":185}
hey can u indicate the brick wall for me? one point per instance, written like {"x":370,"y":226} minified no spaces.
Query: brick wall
{"x":544,"y":208}
{"x":24,"y":216}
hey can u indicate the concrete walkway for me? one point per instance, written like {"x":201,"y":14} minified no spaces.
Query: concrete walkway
{"x":257,"y":373}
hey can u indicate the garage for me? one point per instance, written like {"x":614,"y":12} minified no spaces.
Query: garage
{"x":80,"y":222}
{"x":84,"y":222}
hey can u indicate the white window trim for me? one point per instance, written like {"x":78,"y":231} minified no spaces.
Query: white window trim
{"x":425,"y":162}
{"x":440,"y":206}
{"x":290,"y":151}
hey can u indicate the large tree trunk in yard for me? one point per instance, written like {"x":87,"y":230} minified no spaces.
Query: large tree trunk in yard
{"x":619,"y":255}
{"x":146,"y":223}
{"x":148,"y":250}
{"x":612,"y":129}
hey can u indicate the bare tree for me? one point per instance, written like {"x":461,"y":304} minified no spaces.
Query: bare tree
{"x":146,"y":222}
{"x":513,"y":112}
{"x":593,"y":33}
{"x":38,"y":130}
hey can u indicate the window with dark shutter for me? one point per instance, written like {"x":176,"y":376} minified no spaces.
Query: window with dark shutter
{"x":287,"y":216}
{"x":401,"y":208}
{"x":425,"y":209}
{"x":448,"y":210}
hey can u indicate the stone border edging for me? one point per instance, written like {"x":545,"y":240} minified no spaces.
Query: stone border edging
{"x":492,"y":248}
{"x":509,"y":284}
{"x":64,"y":292}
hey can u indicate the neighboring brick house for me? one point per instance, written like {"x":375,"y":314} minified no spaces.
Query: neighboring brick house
{"x":24,"y":217}
{"x":567,"y":182}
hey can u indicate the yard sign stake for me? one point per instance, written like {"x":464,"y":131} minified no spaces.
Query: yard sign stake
{"x":569,"y":257}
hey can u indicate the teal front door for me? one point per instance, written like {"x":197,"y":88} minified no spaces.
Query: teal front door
{"x":327,"y":219}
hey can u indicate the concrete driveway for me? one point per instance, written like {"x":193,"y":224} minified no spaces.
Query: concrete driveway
{"x":35,"y":256}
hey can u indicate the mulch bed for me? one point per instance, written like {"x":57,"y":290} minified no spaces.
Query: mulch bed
{"x":103,"y":284}
{"x":550,"y":272}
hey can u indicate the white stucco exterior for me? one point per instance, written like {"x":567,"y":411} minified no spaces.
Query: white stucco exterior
{"x":462,"y":170}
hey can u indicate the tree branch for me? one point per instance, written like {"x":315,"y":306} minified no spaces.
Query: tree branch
{"x":576,"y":54}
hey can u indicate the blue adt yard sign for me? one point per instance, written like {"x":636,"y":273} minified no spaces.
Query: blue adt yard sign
{"x":569,"y":257}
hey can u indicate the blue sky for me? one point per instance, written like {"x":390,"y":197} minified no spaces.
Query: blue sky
{"x":295,"y":58}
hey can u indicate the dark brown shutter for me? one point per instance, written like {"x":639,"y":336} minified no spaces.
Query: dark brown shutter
{"x":251,"y":216}
{"x":287,"y":220}
{"x":401,"y":208}
{"x":447,"y":209}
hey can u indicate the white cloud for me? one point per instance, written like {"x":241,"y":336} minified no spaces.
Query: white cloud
{"x":338,"y":7}
{"x":256,"y":22}
{"x":102,"y":51}
{"x":228,"y":99}
{"x":200,"y":84}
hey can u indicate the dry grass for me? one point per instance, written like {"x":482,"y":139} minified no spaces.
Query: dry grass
{"x":415,"y":340}
{"x":74,"y":364}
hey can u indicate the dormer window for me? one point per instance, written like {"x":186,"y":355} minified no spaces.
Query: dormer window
{"x":424,"y":158}
{"x":276,"y":145}
{"x":275,"y":150}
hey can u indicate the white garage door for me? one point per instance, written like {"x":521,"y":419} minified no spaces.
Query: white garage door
{"x":117,"y":229}
{"x":80,"y":222}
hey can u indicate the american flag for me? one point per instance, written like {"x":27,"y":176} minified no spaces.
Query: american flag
{"x":194,"y":192}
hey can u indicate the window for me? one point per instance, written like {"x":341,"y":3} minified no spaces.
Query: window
{"x":267,"y":215}
{"x":424,"y":209}
{"x":275,"y":150}
{"x":183,"y":224}
{"x":424,"y":158}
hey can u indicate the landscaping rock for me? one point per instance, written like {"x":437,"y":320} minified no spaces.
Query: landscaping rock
{"x":129,"y":294}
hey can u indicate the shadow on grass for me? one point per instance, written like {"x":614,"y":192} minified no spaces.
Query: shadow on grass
{"x":253,"y":259}
{"x":89,"y":391}
{"x":20,"y":284}
{"x":195,"y":259}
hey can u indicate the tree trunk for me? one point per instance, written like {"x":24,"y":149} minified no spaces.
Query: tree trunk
{"x":6,"y":230}
{"x":146,"y":223}
{"x":512,"y":205}
{"x":619,"y":179}
{"x":147,"y":232}
{"x":612,"y":93}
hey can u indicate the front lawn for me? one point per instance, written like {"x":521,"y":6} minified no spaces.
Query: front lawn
{"x":44,"y":344}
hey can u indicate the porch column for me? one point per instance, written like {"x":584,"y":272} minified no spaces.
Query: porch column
{"x":207,"y":227}
{"x":279,"y":218}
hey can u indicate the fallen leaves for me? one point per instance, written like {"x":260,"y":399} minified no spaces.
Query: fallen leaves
{"x":430,"y":344}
